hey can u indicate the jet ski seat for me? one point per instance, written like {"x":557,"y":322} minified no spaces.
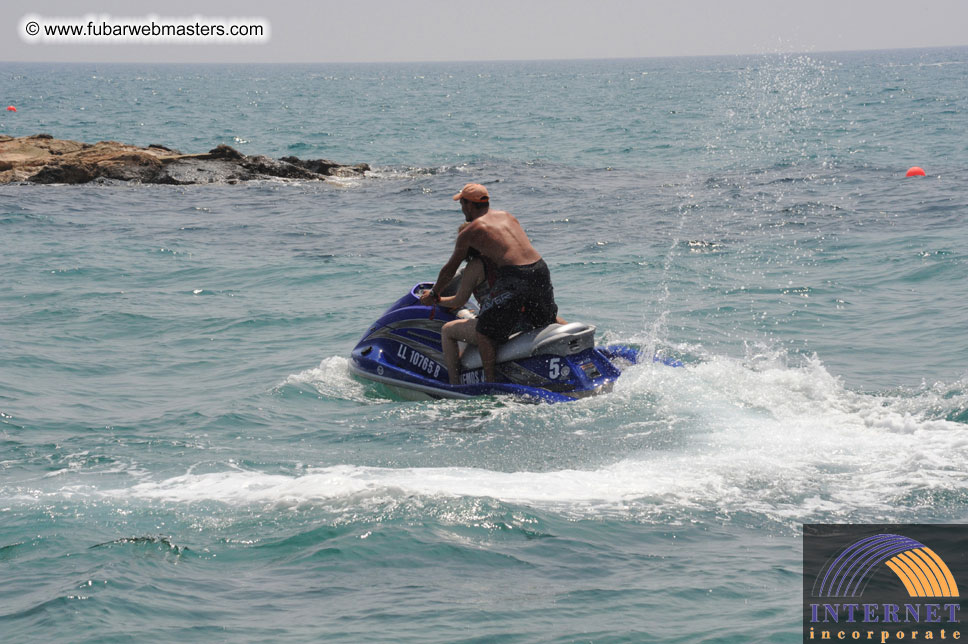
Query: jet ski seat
{"x":554,"y":339}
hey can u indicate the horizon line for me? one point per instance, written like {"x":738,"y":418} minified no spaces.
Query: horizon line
{"x":486,"y":60}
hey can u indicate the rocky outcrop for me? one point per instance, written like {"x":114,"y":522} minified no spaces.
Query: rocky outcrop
{"x":43,"y":159}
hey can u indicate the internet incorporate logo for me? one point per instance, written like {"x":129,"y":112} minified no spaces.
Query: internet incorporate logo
{"x":919,"y":568}
{"x":909,"y":591}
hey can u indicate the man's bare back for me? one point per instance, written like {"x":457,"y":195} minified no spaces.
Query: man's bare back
{"x":495,"y":234}
{"x":498,"y":236}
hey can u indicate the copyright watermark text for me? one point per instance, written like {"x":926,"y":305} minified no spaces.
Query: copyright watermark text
{"x":102,"y":28}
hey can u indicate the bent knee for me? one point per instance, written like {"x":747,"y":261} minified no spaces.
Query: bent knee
{"x":455,"y":329}
{"x":450,"y":327}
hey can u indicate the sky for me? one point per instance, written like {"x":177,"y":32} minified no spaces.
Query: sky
{"x":338,"y":31}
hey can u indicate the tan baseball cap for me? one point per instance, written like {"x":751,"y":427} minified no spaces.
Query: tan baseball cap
{"x":474,"y":192}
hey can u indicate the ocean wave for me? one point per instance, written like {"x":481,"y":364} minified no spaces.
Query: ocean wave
{"x":415,"y":172}
{"x":332,"y":379}
{"x":757,"y":436}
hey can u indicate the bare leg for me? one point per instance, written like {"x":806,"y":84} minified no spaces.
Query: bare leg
{"x":454,"y":331}
{"x":488,"y":357}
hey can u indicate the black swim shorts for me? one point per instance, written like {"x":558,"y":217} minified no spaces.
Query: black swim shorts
{"x":521,"y":298}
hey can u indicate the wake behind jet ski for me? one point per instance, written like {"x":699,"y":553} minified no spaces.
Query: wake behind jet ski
{"x":554,"y":363}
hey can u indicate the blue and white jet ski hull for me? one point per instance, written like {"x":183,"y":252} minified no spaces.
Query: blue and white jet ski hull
{"x":557,"y":363}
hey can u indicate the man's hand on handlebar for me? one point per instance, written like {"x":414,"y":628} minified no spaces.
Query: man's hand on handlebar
{"x":428,"y":297}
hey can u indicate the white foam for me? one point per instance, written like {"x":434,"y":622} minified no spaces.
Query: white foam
{"x":414,"y":172}
{"x":778,"y":439}
{"x":332,"y":379}
{"x":789,"y":443}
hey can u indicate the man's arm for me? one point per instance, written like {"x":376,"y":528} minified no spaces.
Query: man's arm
{"x":450,"y":268}
{"x":473,"y":275}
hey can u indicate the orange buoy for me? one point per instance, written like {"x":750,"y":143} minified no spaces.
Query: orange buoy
{"x":915,"y":172}
{"x":10,"y":108}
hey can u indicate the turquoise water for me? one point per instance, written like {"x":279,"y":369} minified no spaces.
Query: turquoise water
{"x":184,"y":456}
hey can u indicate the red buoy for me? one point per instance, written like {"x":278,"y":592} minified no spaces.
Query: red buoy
{"x":915,"y":172}
{"x":10,"y":108}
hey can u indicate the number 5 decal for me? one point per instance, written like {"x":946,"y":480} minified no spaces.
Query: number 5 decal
{"x":554,"y":368}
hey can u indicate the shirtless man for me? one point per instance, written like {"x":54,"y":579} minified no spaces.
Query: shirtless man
{"x":522,"y":284}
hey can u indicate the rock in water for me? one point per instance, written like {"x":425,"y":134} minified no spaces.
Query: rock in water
{"x":41,"y":158}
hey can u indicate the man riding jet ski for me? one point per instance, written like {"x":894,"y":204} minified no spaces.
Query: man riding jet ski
{"x":523,"y":348}
{"x":519,"y":289}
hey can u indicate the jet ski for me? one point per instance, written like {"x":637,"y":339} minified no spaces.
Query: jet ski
{"x":555,"y":363}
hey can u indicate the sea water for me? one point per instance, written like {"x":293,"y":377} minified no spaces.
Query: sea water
{"x":184,"y":455}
